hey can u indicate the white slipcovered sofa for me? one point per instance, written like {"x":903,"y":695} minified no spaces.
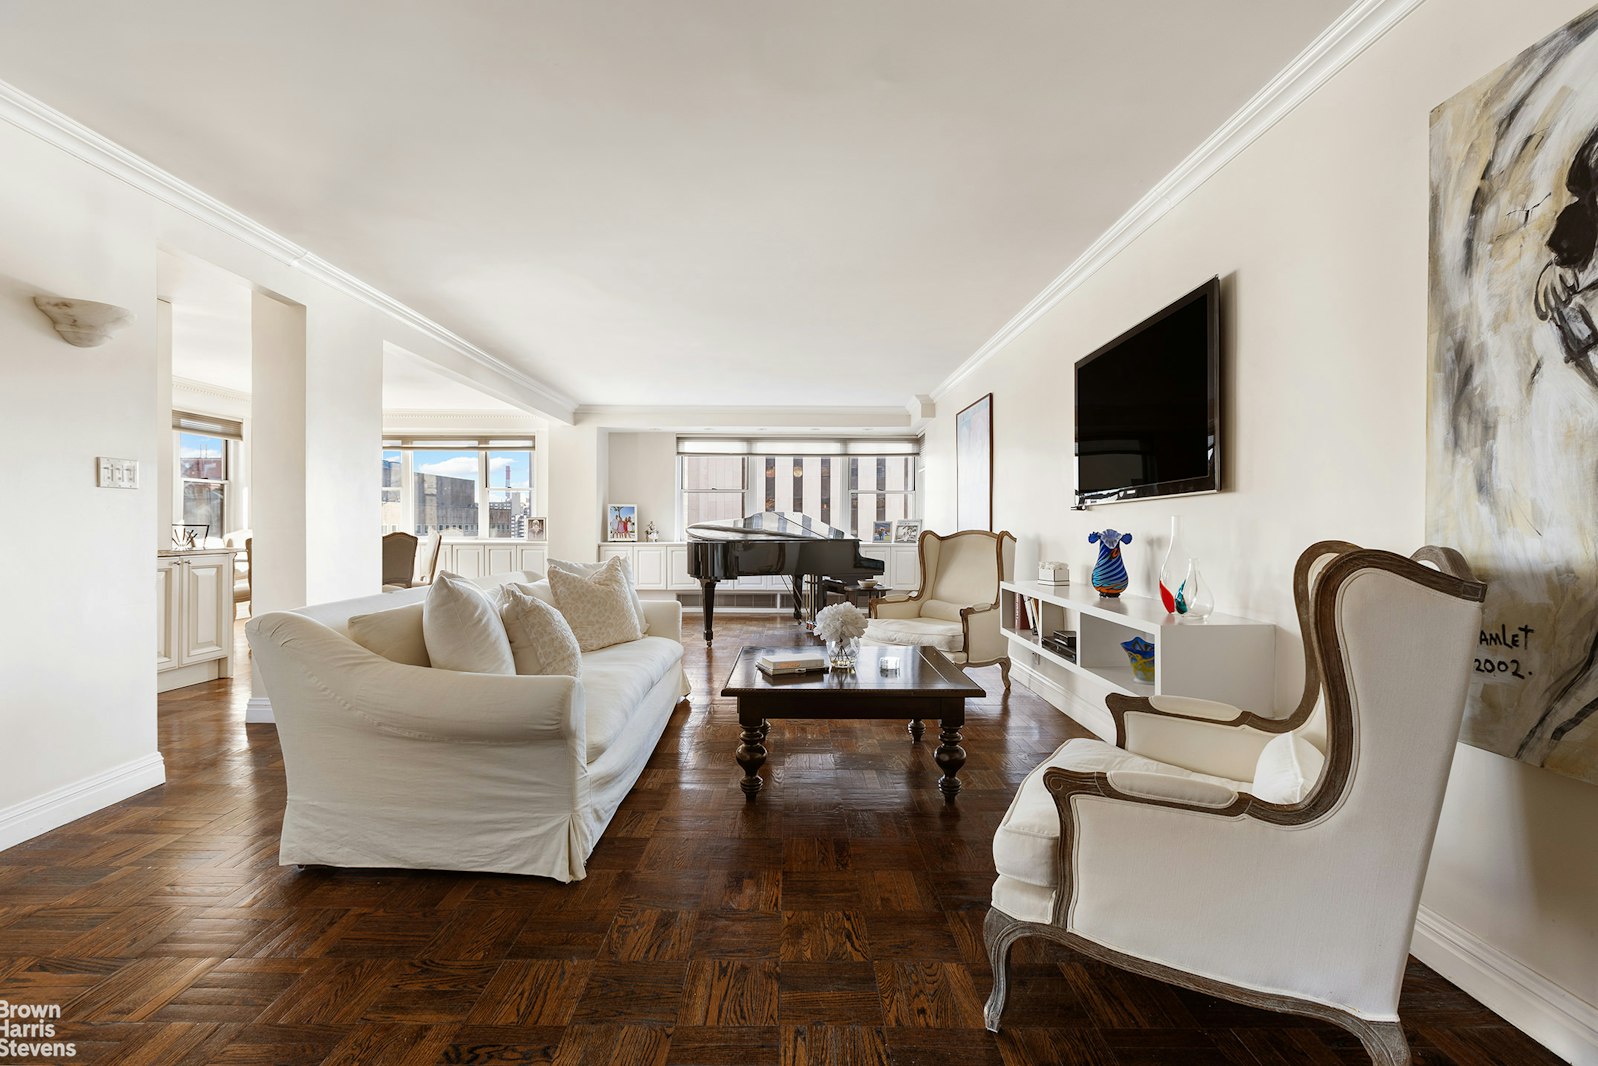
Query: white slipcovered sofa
{"x":393,"y":765}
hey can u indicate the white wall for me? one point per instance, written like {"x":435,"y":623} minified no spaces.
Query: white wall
{"x":642,"y":470}
{"x":77,"y":673}
{"x":1319,"y":232}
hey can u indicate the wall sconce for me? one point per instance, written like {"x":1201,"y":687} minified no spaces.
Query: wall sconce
{"x":84,"y":323}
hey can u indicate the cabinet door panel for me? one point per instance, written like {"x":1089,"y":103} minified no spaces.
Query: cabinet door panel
{"x":500,"y":558}
{"x":904,"y":567}
{"x":471,"y":560}
{"x":677,"y":568}
{"x":206,"y":582}
{"x":649,"y":566}
{"x":533,"y":558}
{"x":168,"y":614}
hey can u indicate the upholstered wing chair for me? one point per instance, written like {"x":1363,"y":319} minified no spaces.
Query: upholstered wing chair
{"x":1189,"y":853}
{"x":956,"y":609}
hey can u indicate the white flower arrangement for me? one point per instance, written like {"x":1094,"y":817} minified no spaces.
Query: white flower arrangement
{"x":840,"y":622}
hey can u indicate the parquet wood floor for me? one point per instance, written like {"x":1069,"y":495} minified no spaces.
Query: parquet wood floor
{"x":835,"y":920}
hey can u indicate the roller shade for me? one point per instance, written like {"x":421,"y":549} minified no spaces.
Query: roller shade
{"x":798,"y":446}
{"x":209,"y":425}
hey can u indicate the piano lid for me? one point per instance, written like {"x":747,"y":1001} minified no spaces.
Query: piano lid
{"x":772,"y":525}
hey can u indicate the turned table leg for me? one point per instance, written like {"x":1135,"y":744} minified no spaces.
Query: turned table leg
{"x":752,"y":752}
{"x":917,"y":729}
{"x":950,"y":756}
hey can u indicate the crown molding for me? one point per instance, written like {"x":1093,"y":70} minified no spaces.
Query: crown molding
{"x":214,"y":392}
{"x":77,"y":140}
{"x":1354,"y":31}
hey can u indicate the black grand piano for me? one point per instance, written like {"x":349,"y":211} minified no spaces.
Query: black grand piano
{"x":795,"y":546}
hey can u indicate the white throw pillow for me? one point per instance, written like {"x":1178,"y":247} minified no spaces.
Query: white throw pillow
{"x":590,"y":569}
{"x":1287,"y":769}
{"x":395,"y":635}
{"x":598,"y":607}
{"x":462,"y":628}
{"x":540,"y":640}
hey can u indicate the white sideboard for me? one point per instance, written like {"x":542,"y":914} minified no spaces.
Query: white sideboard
{"x":663,"y":566}
{"x":480,"y":557}
{"x":194,"y":617}
{"x":1224,"y":658}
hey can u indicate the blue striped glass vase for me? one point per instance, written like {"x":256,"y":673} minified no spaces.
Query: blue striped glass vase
{"x":1109,"y":573}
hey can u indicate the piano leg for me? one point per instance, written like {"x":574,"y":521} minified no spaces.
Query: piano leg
{"x":796,"y":583}
{"x":707,"y":591}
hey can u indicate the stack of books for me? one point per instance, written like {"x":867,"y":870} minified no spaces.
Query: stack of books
{"x":799,"y":662}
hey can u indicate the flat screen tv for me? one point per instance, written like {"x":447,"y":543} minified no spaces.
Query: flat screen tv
{"x":1148,"y":406}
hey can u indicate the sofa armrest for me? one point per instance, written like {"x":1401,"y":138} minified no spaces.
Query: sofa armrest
{"x":663,"y":618}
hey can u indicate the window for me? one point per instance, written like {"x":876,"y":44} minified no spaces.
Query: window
{"x":847,"y":484}
{"x":712,"y":488}
{"x":458,"y":488}
{"x":203,"y":475}
{"x":881,"y":489}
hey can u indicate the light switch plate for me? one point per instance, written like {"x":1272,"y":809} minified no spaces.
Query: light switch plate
{"x":116,"y":473}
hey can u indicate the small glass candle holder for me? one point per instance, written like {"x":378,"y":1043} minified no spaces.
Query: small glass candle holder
{"x":888,"y":664}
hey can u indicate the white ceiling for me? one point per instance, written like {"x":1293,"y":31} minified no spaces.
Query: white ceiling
{"x":210,"y":321}
{"x":411,"y":383}
{"x":704,"y":201}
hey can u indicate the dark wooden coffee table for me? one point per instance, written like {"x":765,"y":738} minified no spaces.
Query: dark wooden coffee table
{"x":926,"y":685}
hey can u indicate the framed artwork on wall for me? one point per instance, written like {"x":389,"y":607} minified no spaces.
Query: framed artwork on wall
{"x":621,"y":521}
{"x":1512,"y":462}
{"x":973,"y":466}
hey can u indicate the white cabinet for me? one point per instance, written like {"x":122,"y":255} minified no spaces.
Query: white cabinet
{"x":901,"y":564}
{"x":658,"y":566}
{"x":194,"y":617}
{"x":480,"y":558}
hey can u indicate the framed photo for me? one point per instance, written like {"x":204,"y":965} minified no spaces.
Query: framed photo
{"x":881,"y":532}
{"x":973,"y":466}
{"x":907,"y":531}
{"x":621,"y":521}
{"x":536,"y":530}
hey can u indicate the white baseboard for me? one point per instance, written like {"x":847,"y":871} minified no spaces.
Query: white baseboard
{"x":259,"y":711}
{"x":1549,"y":1013}
{"x":1095,"y":718}
{"x":26,"y":820}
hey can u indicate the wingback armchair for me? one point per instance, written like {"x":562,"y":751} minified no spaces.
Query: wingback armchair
{"x":956,"y":609}
{"x":1187,"y":852}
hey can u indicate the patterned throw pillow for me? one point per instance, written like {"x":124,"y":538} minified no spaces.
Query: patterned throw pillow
{"x":462,"y":630}
{"x":540,"y":640}
{"x":590,"y":569}
{"x":598,"y":606}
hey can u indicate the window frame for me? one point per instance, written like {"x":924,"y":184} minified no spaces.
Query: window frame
{"x":230,"y":459}
{"x":408,"y":446}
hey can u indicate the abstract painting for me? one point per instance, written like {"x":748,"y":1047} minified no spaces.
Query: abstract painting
{"x":1512,"y":465}
{"x":973,"y":466}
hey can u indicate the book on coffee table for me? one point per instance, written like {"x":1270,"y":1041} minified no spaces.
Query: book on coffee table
{"x":795,"y":663}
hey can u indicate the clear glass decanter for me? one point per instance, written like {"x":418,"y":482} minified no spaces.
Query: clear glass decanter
{"x":1194,"y":601}
{"x":1171,"y":568}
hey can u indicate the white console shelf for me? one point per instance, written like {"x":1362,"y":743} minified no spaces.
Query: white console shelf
{"x":1223,"y":658}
